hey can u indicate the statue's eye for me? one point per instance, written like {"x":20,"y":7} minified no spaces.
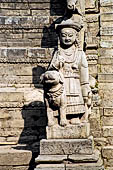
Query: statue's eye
{"x":63,"y":35}
{"x":70,"y":35}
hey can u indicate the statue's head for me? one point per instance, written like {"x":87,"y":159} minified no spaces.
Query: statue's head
{"x":68,"y":36}
{"x":68,"y":31}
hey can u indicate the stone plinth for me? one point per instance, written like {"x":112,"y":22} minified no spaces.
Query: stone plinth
{"x":68,"y":154}
{"x":69,"y":132}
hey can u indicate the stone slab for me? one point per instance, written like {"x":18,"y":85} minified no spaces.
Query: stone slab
{"x":50,"y":167}
{"x":66,"y":146}
{"x":68,"y":132}
{"x":85,"y":158}
{"x":13,"y":157}
{"x":84,"y":167}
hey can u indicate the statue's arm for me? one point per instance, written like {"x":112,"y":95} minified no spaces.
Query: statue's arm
{"x":84,"y":73}
{"x":84,"y":78}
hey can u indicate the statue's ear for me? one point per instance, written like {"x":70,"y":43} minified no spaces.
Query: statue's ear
{"x":42,"y":79}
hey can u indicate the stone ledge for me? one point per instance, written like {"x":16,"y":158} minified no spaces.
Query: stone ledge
{"x":13,"y":157}
{"x":75,"y":158}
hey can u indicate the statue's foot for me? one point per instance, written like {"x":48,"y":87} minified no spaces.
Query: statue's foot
{"x":75,"y":121}
{"x":51,"y":123}
{"x":63,"y":122}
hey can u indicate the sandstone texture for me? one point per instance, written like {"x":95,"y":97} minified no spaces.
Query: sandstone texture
{"x":27,"y":39}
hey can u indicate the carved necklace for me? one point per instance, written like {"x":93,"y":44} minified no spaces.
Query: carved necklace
{"x":69,"y":55}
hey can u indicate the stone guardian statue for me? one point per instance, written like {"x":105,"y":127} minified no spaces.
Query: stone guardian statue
{"x":66,"y":81}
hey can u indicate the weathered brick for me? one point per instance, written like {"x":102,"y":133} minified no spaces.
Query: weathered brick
{"x":106,"y":2}
{"x":106,"y":17}
{"x":107,"y":152}
{"x":108,"y":131}
{"x":107,"y":121}
{"x":106,"y":9}
{"x":108,"y":111}
{"x":105,"y":78}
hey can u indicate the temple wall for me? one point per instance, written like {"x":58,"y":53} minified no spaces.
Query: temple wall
{"x":27,"y":38}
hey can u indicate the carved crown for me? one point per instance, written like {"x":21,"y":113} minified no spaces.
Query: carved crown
{"x":75,"y":22}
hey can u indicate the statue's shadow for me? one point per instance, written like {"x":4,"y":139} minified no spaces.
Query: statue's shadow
{"x":34,"y":113}
{"x":35,"y":121}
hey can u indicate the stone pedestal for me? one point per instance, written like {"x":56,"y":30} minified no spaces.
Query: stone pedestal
{"x":78,"y":131}
{"x":68,"y":148}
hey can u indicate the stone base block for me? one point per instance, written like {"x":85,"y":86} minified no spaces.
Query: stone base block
{"x":66,"y":146}
{"x":84,"y":166}
{"x":68,"y":132}
{"x":75,"y":158}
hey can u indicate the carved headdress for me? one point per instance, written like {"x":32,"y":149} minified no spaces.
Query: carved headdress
{"x":75,"y":22}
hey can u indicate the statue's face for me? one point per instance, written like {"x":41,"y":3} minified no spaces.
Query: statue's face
{"x":71,"y":4}
{"x":68,"y":36}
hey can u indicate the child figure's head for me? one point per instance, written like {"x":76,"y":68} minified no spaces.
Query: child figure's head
{"x":68,"y":36}
{"x":68,"y":31}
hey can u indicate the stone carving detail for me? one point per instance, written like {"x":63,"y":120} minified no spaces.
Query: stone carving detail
{"x":77,"y":6}
{"x":66,"y":81}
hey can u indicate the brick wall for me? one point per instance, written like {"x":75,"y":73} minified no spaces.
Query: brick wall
{"x":27,"y":37}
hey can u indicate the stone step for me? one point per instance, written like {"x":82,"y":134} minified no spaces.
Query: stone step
{"x":79,"y":166}
{"x":69,"y":158}
{"x":66,"y":146}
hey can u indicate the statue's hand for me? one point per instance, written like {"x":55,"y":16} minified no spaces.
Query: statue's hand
{"x":87,"y":94}
{"x":71,"y":4}
{"x":61,"y":61}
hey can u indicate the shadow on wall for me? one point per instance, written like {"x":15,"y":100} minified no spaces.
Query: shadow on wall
{"x":35,"y":121}
{"x":34,"y":114}
{"x":50,"y":38}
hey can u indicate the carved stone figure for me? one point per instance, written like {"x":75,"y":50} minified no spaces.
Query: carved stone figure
{"x":66,"y":82}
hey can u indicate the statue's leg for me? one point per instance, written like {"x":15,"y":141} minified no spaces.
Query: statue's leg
{"x":50,"y":115}
{"x":63,"y":120}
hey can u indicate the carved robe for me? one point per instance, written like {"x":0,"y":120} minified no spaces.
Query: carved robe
{"x":74,"y":67}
